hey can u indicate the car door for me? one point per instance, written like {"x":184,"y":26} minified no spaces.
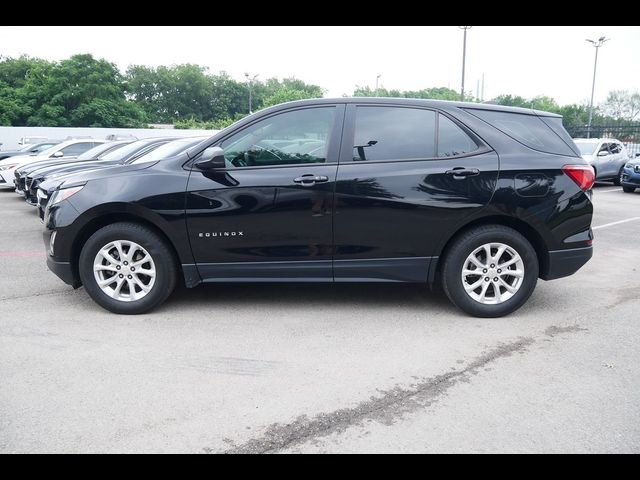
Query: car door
{"x":268,"y":215}
{"x":407,"y":178}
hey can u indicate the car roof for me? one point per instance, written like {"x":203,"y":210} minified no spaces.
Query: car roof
{"x":440,"y":104}
{"x":593,"y":140}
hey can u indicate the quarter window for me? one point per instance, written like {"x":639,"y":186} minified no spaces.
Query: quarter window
{"x":452,"y":140}
{"x":394,"y":133}
{"x":290,"y":138}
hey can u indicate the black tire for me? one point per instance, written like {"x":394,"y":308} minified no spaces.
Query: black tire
{"x":617,"y":180}
{"x":165,"y":266}
{"x":469,"y":241}
{"x":628,"y":189}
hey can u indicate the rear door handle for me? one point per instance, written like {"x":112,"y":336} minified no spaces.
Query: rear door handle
{"x":462,"y":172}
{"x":310,"y":180}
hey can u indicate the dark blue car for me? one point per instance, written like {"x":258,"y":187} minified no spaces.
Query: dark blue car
{"x":630,"y":179}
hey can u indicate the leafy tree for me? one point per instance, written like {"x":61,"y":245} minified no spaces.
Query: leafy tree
{"x":36,"y":92}
{"x":622,"y":104}
{"x":167,"y":93}
{"x":435,"y":93}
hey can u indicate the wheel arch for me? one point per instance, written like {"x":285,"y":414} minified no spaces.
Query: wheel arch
{"x":519,"y":225}
{"x":107,"y":219}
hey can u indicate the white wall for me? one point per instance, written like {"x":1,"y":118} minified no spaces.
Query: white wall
{"x":10,"y":136}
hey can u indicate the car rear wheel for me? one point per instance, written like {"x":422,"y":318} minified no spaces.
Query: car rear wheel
{"x":628,"y":189}
{"x":490,"y":271}
{"x":617,"y":180}
{"x":127,"y":268}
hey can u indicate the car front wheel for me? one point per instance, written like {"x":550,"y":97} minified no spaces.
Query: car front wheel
{"x":628,"y":189}
{"x":490,"y":271}
{"x":127,"y":268}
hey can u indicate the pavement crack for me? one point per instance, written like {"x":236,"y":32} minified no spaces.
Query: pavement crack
{"x":386,"y":408}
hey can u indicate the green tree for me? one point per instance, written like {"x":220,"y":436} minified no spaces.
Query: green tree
{"x":167,"y":93}
{"x":434,"y":93}
{"x":622,"y":104}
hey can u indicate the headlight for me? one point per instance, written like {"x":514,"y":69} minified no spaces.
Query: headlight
{"x":63,"y":194}
{"x":8,"y":167}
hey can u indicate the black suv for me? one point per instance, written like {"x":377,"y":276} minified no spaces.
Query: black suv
{"x":484,"y":199}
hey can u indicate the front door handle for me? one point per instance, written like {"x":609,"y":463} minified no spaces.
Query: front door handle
{"x":461,"y":172}
{"x":310,"y":180}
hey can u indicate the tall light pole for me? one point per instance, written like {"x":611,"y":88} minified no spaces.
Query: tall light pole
{"x":596,"y":43}
{"x":377,"y":80}
{"x":250,"y":81}
{"x":464,"y":58}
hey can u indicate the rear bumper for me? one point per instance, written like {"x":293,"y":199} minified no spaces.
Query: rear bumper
{"x":563,"y":263}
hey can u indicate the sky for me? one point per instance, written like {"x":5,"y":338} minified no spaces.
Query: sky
{"x":526,"y":61}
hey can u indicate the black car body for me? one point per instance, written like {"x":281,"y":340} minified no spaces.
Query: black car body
{"x":346,"y":190}
{"x":46,"y":182}
{"x":33,"y":174}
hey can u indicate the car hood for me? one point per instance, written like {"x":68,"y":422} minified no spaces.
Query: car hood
{"x":19,"y":159}
{"x":57,"y":169}
{"x":100,"y":173}
{"x":589,"y":158}
{"x":32,"y":167}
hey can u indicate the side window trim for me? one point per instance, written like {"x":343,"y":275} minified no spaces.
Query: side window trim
{"x":335,"y":137}
{"x":348,"y":136}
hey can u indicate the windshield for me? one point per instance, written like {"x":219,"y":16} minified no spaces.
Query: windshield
{"x":170,"y":149}
{"x":587,"y":148}
{"x":124,"y":152}
{"x":50,"y":151}
{"x":97,"y":152}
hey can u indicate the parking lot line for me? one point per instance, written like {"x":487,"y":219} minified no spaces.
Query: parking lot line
{"x":23,"y":253}
{"x":609,"y":191}
{"x":634,"y":219}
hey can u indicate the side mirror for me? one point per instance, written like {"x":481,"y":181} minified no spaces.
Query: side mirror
{"x":57,"y":154}
{"x":212,"y":158}
{"x":603,"y":153}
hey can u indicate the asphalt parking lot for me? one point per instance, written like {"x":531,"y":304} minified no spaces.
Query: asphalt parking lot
{"x":360,"y":368}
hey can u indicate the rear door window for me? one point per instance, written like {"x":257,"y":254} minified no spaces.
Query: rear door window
{"x":394,"y":133}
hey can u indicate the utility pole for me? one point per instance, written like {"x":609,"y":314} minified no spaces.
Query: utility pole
{"x":377,"y":80}
{"x":596,"y":44}
{"x":250,"y":81}
{"x":464,"y":58}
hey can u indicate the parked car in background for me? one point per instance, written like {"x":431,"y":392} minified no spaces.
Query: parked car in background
{"x":607,"y":156}
{"x":630,"y":179}
{"x":26,"y":141}
{"x":482,"y":198}
{"x":62,"y":151}
{"x":127,"y":154}
{"x":29,"y":149}
{"x":33,"y":174}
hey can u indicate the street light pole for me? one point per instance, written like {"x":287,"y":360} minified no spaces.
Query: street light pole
{"x":596,"y":44}
{"x":377,"y":79}
{"x":250,"y":81}
{"x":464,"y":58}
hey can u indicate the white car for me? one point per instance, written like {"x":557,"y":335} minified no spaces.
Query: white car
{"x":607,"y":156}
{"x":61,"y":152}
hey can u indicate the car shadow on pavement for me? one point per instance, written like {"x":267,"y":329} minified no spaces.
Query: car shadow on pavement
{"x":316,"y":295}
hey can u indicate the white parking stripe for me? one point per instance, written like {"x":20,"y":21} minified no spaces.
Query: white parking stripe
{"x":609,"y":191}
{"x":634,"y":219}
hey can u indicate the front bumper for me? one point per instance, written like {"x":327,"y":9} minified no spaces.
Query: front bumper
{"x":563,"y":263}
{"x":630,"y":178}
{"x":6,"y":179}
{"x":64,"y":270}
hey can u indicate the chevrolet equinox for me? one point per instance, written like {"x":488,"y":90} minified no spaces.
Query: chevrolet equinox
{"x":480,"y":198}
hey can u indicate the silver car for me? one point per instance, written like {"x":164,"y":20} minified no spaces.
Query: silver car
{"x":606,"y":155}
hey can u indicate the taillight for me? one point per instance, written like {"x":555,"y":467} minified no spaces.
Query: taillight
{"x":583,"y":175}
